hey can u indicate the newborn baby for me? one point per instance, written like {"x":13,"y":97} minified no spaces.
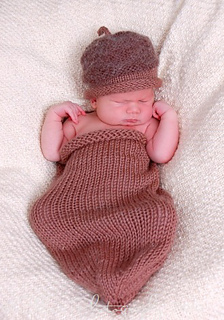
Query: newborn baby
{"x":104,"y":218}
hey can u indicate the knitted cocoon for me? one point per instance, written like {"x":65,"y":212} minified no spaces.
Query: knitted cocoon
{"x":104,"y":218}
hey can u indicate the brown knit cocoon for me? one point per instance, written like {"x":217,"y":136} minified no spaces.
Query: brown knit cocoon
{"x":104,"y":218}
{"x":120,"y":62}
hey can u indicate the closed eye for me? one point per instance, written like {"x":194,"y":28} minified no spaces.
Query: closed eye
{"x":119,"y":102}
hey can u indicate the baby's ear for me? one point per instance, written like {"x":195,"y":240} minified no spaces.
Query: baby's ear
{"x":93,"y":103}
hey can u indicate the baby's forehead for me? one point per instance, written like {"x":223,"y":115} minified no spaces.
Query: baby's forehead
{"x":133,"y":94}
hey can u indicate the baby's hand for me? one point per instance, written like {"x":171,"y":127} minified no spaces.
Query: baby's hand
{"x":68,"y":109}
{"x":160,"y":109}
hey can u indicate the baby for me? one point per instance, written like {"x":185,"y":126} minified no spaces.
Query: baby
{"x":129,"y":105}
{"x":134,"y":110}
{"x":104,"y":218}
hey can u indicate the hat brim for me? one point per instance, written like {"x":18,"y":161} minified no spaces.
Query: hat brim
{"x":127,"y":86}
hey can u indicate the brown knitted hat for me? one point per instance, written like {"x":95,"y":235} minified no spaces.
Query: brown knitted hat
{"x":120,"y":62}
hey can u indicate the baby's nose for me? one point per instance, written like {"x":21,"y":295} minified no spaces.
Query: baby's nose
{"x":133,"y":108}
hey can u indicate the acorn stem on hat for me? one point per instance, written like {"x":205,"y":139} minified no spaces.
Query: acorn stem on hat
{"x":103,"y":30}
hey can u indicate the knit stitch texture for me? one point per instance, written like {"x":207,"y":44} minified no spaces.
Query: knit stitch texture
{"x":41,"y":45}
{"x":105,"y":219}
{"x":120,"y":62}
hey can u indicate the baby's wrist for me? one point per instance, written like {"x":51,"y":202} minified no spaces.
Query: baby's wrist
{"x":52,"y":115}
{"x":169,"y":114}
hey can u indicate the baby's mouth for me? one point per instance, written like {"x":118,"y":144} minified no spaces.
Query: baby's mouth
{"x":131,"y":120}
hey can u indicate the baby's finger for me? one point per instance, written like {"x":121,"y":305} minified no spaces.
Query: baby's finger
{"x":75,"y":113}
{"x":155,"y":114}
{"x":81,"y":111}
{"x":74,"y":117}
{"x":70,"y":114}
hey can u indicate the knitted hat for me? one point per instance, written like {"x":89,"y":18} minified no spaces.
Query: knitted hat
{"x":120,"y":62}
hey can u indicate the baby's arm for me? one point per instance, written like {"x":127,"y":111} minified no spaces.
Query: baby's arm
{"x":162,"y":145}
{"x":53,"y":131}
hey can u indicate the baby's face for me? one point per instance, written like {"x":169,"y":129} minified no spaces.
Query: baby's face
{"x":127,"y":109}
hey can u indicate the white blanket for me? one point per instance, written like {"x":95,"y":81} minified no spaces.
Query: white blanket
{"x":41,"y":44}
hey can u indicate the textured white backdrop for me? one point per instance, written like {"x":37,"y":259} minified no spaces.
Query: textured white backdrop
{"x":41,"y":43}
